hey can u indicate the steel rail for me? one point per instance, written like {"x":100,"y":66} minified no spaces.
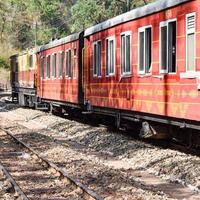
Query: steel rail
{"x":16,"y":187}
{"x":87,"y":193}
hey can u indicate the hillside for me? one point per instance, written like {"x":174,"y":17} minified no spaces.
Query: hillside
{"x":24,"y":24}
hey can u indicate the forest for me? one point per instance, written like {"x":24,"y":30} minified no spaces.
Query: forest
{"x":24,"y":24}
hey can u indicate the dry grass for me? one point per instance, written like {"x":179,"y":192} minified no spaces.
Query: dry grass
{"x":6,"y":50}
{"x":4,"y":76}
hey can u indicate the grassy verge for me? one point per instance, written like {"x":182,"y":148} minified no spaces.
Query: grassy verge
{"x":4,"y":76}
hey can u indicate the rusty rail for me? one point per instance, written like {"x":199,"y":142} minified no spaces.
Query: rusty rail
{"x":13,"y":183}
{"x":87,"y":193}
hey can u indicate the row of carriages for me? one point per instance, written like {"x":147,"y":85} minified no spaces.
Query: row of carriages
{"x":142,"y":65}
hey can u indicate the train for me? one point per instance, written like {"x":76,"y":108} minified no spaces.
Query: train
{"x":142,"y":66}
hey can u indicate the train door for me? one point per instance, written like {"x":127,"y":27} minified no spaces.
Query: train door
{"x":172,"y":46}
{"x":81,"y":69}
{"x":168,"y":47}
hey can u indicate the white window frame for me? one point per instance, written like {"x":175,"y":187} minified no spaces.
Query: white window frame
{"x":66,"y":75}
{"x":34,"y":62}
{"x":123,"y":74}
{"x":111,"y":38}
{"x":96,"y":75}
{"x":24,"y":63}
{"x":143,"y":29}
{"x":189,"y":32}
{"x":59,"y":53}
{"x":54,"y":77}
{"x":42,"y":77}
{"x":31,"y":67}
{"x":162,"y":24}
{"x":48,"y":78}
{"x":75,"y":67}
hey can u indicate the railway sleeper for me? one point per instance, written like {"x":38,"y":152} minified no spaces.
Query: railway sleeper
{"x":11,"y":186}
{"x":87,"y":193}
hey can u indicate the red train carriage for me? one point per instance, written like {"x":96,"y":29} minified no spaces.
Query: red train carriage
{"x":60,"y":71}
{"x":23,"y":77}
{"x":147,"y":61}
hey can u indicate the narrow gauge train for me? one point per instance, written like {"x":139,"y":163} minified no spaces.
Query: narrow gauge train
{"x":142,"y":66}
{"x":60,"y":71}
{"x":23,"y":77}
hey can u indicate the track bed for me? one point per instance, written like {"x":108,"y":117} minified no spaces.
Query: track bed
{"x":35,"y":179}
{"x":116,"y":166}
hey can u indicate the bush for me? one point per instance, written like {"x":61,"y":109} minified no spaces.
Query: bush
{"x":3,"y":63}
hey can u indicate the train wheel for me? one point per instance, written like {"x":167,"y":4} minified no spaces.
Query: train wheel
{"x":51,"y":108}
{"x":118,"y":121}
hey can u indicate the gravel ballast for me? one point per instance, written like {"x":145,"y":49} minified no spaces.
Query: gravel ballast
{"x":107,"y":161}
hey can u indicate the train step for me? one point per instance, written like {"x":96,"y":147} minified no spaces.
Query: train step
{"x":41,"y":106}
{"x":87,"y":112}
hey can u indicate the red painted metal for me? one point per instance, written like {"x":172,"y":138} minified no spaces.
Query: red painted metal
{"x":160,"y":94}
{"x":26,"y":79}
{"x":22,"y":75}
{"x":59,"y":89}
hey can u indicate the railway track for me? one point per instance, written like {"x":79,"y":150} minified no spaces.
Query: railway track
{"x":11,"y":185}
{"x":170,"y":144}
{"x":34,"y":177}
{"x":173,"y":144}
{"x":55,"y":133}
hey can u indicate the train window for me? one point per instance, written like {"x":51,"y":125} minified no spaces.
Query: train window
{"x":42,"y":67}
{"x":110,"y":56}
{"x":126,"y":53}
{"x":31,"y":61}
{"x":190,"y":42}
{"x":48,"y":66}
{"x":17,"y":67}
{"x":54,"y":62}
{"x":164,"y":49}
{"x":168,"y":47}
{"x":75,"y":63}
{"x":145,"y":45}
{"x":61,"y":62}
{"x":97,"y":58}
{"x":68,"y":63}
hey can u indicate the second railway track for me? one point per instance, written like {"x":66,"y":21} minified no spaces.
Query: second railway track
{"x":173,"y":144}
{"x":37,"y":177}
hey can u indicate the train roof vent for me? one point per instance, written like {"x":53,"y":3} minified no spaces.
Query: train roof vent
{"x":191,"y":22}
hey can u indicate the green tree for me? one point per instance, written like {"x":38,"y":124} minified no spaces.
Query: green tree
{"x":26,"y":23}
{"x":86,"y":13}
